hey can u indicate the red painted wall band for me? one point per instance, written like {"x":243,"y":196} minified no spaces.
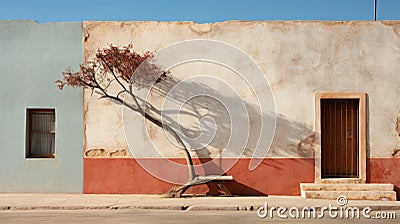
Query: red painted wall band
{"x":126,"y":176}
{"x":275,"y":176}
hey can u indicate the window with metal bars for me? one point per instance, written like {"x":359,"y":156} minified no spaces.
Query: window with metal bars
{"x":41,"y":133}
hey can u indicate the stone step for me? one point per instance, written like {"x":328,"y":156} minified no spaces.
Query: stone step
{"x":350,"y":195}
{"x":345,"y":187}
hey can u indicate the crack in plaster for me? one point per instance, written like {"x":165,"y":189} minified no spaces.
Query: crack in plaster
{"x":97,"y":153}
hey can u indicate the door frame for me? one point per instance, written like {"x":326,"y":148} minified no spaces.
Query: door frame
{"x":362,"y":152}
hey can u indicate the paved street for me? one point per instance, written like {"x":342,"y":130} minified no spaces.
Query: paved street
{"x":114,"y":201}
{"x":158,"y":216}
{"x":98,"y":209}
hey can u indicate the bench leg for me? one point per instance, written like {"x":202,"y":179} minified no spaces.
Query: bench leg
{"x":223,"y":188}
{"x":176,"y":191}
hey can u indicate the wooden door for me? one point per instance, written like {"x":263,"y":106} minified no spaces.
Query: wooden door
{"x":339,"y":138}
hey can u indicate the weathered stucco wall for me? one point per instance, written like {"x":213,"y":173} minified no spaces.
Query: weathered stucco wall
{"x":32,"y":57}
{"x":297,"y":58}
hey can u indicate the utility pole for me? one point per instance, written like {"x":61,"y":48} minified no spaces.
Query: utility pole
{"x":375,"y":4}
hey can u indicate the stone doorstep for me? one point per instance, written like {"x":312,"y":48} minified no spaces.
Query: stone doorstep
{"x":345,"y":187}
{"x":350,"y":195}
{"x":350,"y":191}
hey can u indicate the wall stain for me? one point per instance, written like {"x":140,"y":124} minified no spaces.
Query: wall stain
{"x":306,"y":145}
{"x":152,"y":131}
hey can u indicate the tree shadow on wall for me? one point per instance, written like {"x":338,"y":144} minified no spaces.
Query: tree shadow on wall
{"x":193,"y":102}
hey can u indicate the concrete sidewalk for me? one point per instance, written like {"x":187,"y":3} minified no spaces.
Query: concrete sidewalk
{"x":200,"y":203}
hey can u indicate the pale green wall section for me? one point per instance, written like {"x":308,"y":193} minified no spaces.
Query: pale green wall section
{"x":32,"y":56}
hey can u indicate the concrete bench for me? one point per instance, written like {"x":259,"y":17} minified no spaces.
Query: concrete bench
{"x":177,"y":191}
{"x":219,"y":180}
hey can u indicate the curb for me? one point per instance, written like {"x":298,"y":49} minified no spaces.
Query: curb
{"x":4,"y":208}
{"x":135,"y":207}
{"x":167,"y":207}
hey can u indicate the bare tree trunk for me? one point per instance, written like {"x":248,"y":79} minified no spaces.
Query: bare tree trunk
{"x":160,"y":124}
{"x":175,"y":191}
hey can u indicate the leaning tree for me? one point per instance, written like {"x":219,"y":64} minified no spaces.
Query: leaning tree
{"x":116,"y":66}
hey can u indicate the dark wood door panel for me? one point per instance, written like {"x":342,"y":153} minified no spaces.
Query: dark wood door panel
{"x":339,"y":138}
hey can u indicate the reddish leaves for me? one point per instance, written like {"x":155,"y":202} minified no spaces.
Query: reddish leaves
{"x":113,"y":64}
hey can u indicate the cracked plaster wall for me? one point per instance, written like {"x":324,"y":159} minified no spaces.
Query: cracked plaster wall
{"x":297,"y":58}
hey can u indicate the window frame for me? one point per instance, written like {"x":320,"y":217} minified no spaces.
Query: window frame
{"x":29,"y":133}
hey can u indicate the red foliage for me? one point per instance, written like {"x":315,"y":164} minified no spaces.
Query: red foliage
{"x":112,"y":64}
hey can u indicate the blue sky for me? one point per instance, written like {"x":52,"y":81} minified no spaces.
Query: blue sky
{"x":201,"y":11}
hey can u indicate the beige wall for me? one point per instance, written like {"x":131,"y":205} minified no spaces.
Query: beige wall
{"x":297,"y":58}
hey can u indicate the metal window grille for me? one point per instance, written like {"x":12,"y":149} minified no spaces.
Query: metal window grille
{"x":41,"y":133}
